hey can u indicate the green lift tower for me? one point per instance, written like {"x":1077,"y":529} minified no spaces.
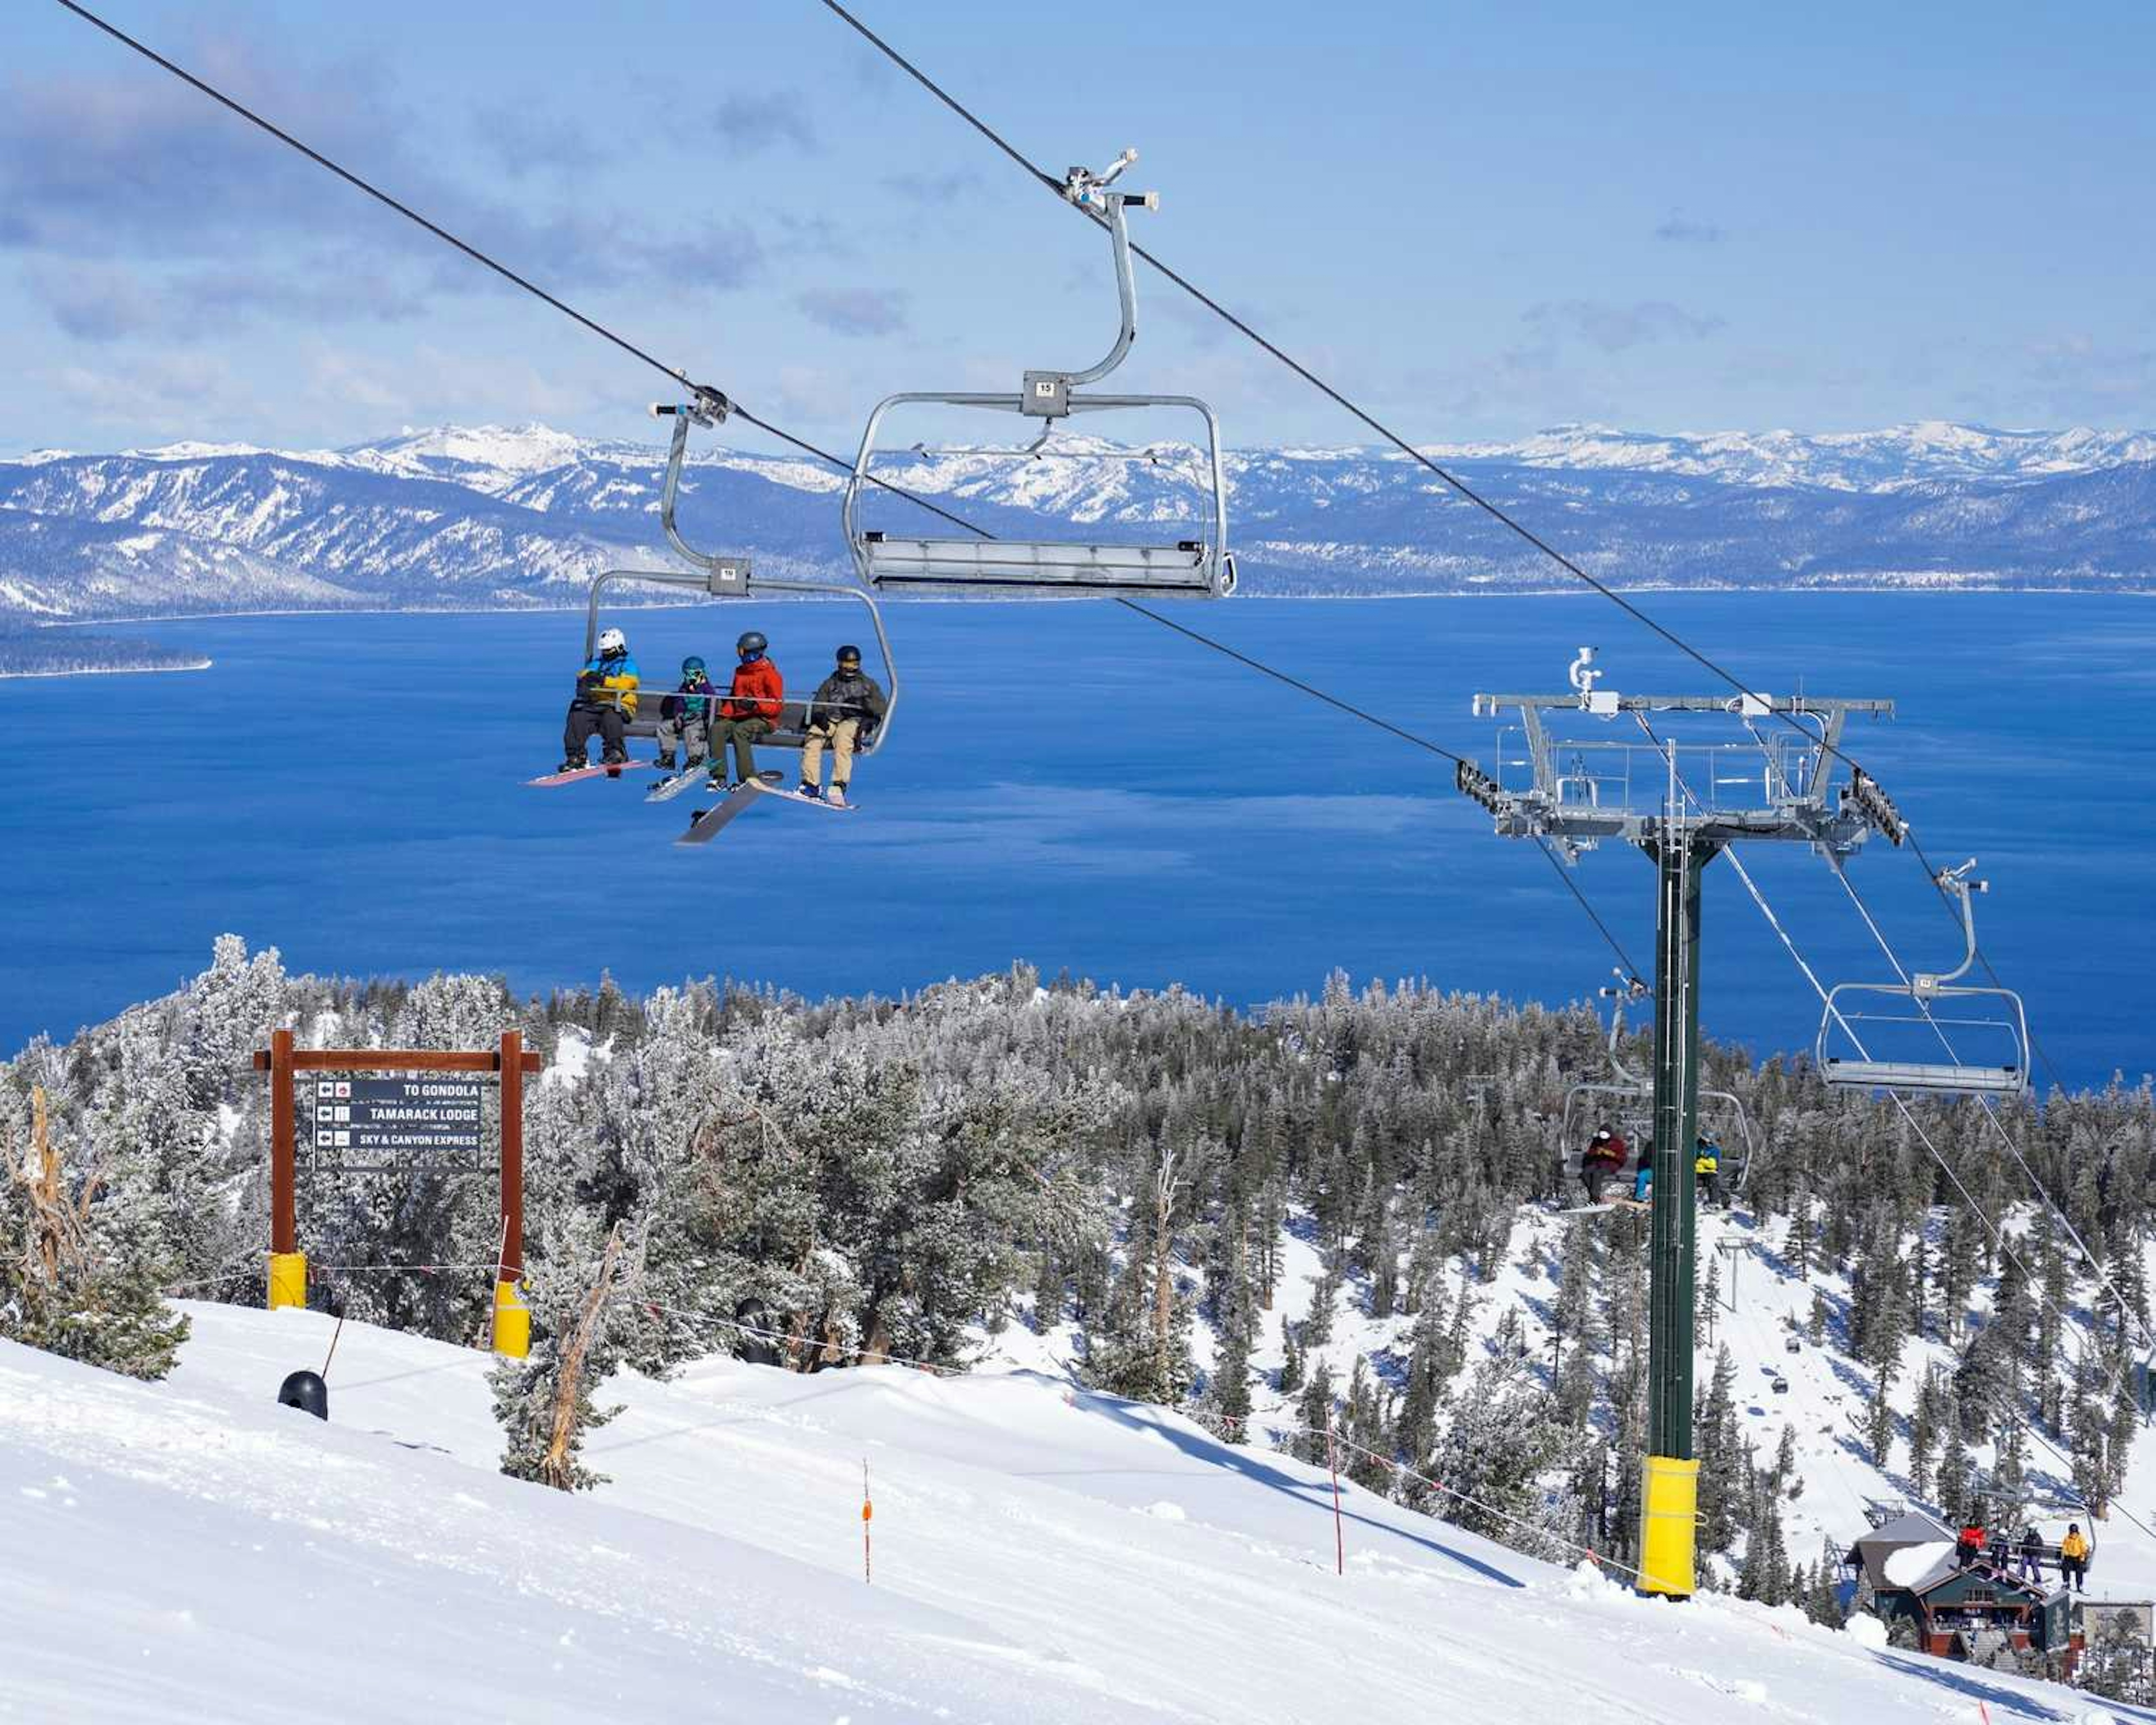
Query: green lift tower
{"x":1680,"y":776}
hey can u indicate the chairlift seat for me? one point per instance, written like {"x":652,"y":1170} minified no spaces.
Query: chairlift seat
{"x":1931,"y":1078}
{"x":1184,"y":566}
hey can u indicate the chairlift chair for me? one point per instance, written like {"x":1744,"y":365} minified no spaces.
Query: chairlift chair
{"x":1629,"y":1096}
{"x":1200,"y":566}
{"x":723,"y":575}
{"x":2003,"y":1023}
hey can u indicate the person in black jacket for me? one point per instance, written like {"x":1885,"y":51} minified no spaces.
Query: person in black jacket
{"x":2031,"y":1550}
{"x":843,"y":712}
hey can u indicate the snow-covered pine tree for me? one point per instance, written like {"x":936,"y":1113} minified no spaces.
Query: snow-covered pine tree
{"x":1724,"y":1457}
{"x":80,"y":1269}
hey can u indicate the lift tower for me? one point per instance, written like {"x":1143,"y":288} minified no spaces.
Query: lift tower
{"x":1573,"y":770}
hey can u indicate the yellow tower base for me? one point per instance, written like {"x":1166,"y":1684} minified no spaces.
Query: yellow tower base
{"x":512,"y":1321}
{"x":288,"y":1280}
{"x":1669,"y":1527}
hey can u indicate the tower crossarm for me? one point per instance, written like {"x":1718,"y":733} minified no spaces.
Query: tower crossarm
{"x":1568,"y":770}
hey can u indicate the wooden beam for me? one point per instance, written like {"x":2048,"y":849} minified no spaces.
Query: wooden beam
{"x":396,"y":1060}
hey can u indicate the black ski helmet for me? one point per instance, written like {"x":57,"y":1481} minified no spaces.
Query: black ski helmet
{"x":752,"y":642}
{"x":849,"y":655}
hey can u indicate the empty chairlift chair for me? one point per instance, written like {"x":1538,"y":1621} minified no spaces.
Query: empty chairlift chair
{"x":1942,"y":1007}
{"x":721,"y":576}
{"x":1197,"y":564}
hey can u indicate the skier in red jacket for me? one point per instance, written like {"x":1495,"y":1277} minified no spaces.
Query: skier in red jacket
{"x":750,"y":711}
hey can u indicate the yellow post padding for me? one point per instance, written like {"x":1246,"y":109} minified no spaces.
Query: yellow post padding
{"x":1669,"y":1527}
{"x":512,"y":1321}
{"x":288,"y":1280}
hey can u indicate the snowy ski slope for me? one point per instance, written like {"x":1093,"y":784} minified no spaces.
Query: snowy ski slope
{"x":190,"y":1551}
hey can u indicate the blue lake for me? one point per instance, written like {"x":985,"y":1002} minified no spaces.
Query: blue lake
{"x":1073,"y":786}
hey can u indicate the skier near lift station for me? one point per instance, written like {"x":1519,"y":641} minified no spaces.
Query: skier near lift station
{"x":750,"y":711}
{"x":605,"y":701}
{"x":845,"y":711}
{"x":685,"y":716}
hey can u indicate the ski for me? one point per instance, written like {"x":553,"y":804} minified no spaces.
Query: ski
{"x":612,"y":772}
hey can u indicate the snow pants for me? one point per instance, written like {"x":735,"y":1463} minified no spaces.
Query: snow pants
{"x":691,"y":727}
{"x":743,"y":734}
{"x":840,"y":734}
{"x":586,"y":717}
{"x":2074,"y":1572}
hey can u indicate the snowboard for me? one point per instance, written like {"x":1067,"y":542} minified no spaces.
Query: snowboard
{"x":671,"y":787}
{"x":707,"y":824}
{"x":612,"y":772}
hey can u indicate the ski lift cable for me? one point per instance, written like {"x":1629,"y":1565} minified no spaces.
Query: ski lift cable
{"x":719,"y":398}
{"x":1348,"y":405}
{"x":1998,"y":1234}
{"x":716,"y":398}
{"x":1759,"y":898}
{"x":1932,"y":874}
{"x":1990,"y":1113}
{"x":649,"y":359}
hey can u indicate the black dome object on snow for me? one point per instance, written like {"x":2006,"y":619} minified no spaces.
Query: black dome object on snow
{"x":305,"y":1391}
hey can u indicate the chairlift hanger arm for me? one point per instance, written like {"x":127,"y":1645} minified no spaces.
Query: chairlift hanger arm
{"x":726,"y":577}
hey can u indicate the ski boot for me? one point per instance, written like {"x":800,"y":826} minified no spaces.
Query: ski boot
{"x":806,"y":789}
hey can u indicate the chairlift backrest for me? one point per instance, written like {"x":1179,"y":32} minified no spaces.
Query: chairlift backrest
{"x":1197,"y":564}
{"x":723,"y":575}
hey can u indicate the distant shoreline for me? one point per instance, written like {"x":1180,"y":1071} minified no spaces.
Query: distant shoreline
{"x":1941,"y":589}
{"x":109,"y":670}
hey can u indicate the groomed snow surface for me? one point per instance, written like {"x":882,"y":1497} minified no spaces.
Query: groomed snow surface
{"x":190,"y":1551}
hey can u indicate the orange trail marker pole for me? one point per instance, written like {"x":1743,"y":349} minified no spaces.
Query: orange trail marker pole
{"x":868,"y":1511}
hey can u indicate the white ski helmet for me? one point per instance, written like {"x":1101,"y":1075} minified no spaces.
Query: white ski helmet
{"x":613,"y":641}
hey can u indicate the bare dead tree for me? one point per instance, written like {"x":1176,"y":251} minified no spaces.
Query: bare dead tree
{"x":554,"y":1467}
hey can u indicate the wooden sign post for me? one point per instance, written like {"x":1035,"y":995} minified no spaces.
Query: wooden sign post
{"x":288,"y":1264}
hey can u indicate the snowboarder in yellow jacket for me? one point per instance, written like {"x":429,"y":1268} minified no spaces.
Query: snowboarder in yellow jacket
{"x":605,"y":702}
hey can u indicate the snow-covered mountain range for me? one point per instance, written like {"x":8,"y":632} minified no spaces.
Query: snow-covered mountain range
{"x":491,"y":517}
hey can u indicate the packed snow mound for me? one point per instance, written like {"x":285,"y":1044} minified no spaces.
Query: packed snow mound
{"x":190,"y":1550}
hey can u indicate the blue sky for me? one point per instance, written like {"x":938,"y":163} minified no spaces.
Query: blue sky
{"x":1480,"y":219}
